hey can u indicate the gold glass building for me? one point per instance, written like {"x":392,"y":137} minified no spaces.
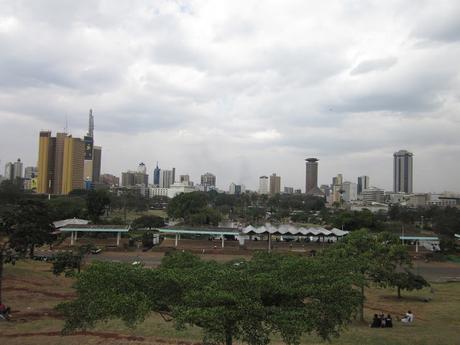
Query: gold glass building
{"x":60,"y":163}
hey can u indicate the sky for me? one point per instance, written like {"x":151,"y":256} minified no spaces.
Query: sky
{"x":239,"y":88}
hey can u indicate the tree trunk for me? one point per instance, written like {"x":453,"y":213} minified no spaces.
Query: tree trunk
{"x":32,"y":251}
{"x":399,"y":292}
{"x":228,"y":338}
{"x":361,"y":314}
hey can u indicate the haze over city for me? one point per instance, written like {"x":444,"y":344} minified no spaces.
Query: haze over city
{"x":240,"y":89}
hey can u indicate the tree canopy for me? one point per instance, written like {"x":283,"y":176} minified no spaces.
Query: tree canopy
{"x":243,"y":300}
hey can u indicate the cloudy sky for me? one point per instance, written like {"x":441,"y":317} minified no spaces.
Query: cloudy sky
{"x":239,"y":88}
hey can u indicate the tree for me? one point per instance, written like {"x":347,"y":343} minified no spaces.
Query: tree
{"x":193,"y":208}
{"x":148,"y":222}
{"x":371,"y":257}
{"x":68,"y":262}
{"x":406,"y":281}
{"x":22,"y":226}
{"x":96,"y":203}
{"x":245,"y":300}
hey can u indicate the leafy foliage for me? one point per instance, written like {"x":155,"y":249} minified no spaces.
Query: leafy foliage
{"x":245,"y":300}
{"x":148,"y":222}
{"x":96,"y":203}
{"x":68,"y":262}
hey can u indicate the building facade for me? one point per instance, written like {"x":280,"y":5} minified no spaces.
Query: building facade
{"x":208,"y":181}
{"x":373,"y":194}
{"x":311,"y":175}
{"x":60,"y":163}
{"x":363,"y":183}
{"x":403,"y":172}
{"x":264,"y":187}
{"x":167,"y":178}
{"x":350,"y":191}
{"x":275,"y":184}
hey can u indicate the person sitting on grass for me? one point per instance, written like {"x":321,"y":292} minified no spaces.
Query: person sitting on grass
{"x":383,"y":320}
{"x":389,"y":321}
{"x":408,"y":318}
{"x":376,"y":322}
{"x":4,"y":311}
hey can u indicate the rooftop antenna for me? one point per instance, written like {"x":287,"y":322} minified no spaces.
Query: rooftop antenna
{"x":91,"y":124}
{"x":66,"y":128}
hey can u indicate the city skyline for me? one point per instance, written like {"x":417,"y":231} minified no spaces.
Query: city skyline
{"x":219,"y":87}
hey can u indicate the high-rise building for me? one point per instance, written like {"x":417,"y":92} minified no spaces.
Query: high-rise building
{"x":208,"y":181}
{"x":263,"y":185}
{"x":373,"y":194}
{"x":185,"y":179}
{"x":142,"y":168}
{"x":9,"y":171}
{"x":30,"y":172}
{"x":18,"y":169}
{"x":288,"y":190}
{"x":338,"y":180}
{"x":134,"y":178}
{"x":402,"y":172}
{"x":275,"y":184}
{"x":166,"y":178}
{"x":236,"y":189}
{"x":350,"y":191}
{"x":60,"y":163}
{"x":311,"y":176}
{"x":97,"y":160}
{"x":363,"y":183}
{"x":156,"y":176}
{"x":110,"y":180}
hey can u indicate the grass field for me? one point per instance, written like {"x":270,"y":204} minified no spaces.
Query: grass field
{"x":33,"y":291}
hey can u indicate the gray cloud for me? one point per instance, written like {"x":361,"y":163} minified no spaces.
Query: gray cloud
{"x":374,"y":65}
{"x":239,"y":89}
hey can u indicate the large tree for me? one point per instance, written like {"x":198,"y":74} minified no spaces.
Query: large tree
{"x":22,"y":226}
{"x":371,"y":258}
{"x":96,"y":202}
{"x":244,"y":300}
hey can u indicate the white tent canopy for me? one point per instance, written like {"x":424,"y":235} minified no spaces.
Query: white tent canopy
{"x":72,"y":221}
{"x":292,"y":230}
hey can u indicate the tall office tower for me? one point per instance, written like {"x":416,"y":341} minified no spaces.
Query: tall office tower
{"x":60,"y":163}
{"x":338,"y":180}
{"x":9,"y":171}
{"x":134,"y":178}
{"x":156,"y":176}
{"x":363,"y":183}
{"x":97,"y":159}
{"x":30,"y":172}
{"x":208,"y":180}
{"x":311,"y":176}
{"x":110,"y":180}
{"x":275,"y":184}
{"x":402,"y":172}
{"x":184,"y":179}
{"x":350,"y":191}
{"x":263,"y":185}
{"x":46,"y":152}
{"x":236,"y":189}
{"x":166,"y":178}
{"x":73,"y":164}
{"x":18,"y":171}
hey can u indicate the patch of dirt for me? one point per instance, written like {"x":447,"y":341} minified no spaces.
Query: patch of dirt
{"x":24,"y":281}
{"x":44,"y":293}
{"x":103,"y":335}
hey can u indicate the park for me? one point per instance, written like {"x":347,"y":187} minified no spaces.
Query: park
{"x":318,"y":287}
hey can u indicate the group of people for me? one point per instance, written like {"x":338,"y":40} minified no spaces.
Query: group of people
{"x":382,"y":321}
{"x":4,"y":312}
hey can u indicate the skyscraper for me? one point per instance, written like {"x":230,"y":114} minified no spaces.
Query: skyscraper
{"x":18,"y":171}
{"x":166,"y":178}
{"x":208,"y":180}
{"x":363,"y":183}
{"x":9,"y":171}
{"x":97,"y":159}
{"x":275,"y":184}
{"x":402,"y":172}
{"x":263,"y":185}
{"x":311,"y":175}
{"x":156,"y":176}
{"x":60,"y":163}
